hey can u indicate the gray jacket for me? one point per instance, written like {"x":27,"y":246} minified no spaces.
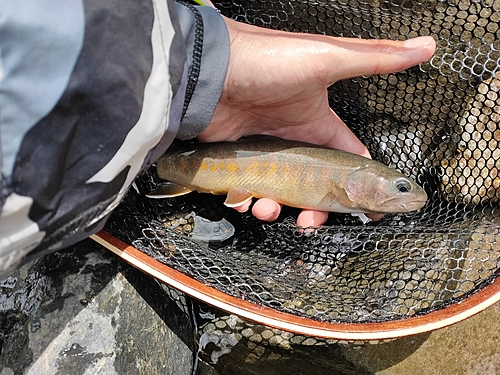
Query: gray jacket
{"x":91,"y":93}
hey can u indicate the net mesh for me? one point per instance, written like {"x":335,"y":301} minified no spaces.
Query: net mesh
{"x":437,"y":123}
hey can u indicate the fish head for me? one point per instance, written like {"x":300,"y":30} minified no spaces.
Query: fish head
{"x":383,"y":190}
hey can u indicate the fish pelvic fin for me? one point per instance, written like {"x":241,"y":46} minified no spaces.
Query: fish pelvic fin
{"x":169,"y":190}
{"x":237,"y":197}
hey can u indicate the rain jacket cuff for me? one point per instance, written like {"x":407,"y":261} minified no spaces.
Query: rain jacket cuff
{"x":207,"y":43}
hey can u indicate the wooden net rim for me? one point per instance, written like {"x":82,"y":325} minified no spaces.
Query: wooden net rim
{"x":443,"y":317}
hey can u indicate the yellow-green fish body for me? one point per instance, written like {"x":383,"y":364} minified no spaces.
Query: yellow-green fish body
{"x":292,"y":173}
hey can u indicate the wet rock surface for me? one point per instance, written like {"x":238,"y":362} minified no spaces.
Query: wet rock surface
{"x":83,"y":311}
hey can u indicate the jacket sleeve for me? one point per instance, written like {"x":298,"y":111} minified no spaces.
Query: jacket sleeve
{"x":91,"y":94}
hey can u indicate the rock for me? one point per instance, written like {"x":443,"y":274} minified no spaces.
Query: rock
{"x":84,"y":311}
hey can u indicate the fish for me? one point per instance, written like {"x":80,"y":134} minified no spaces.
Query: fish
{"x":292,"y":173}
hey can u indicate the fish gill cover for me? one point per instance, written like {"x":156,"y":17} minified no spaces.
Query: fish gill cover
{"x":438,"y":123}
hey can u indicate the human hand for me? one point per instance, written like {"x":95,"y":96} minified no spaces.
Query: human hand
{"x":277,"y":83}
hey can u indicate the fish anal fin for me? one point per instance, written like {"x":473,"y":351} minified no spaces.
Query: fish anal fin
{"x":237,"y":197}
{"x":169,"y":190}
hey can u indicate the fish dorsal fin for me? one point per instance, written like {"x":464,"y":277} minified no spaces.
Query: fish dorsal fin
{"x":236,"y":197}
{"x":169,"y":190}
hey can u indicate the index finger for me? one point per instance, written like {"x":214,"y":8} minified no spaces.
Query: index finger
{"x":375,"y":56}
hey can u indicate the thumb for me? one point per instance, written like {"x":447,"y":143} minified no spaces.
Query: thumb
{"x":341,"y":137}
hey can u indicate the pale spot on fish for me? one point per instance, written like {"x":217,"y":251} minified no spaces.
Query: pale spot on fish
{"x":187,"y":153}
{"x":245,"y":154}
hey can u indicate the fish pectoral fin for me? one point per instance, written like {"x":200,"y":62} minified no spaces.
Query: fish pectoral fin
{"x":336,"y":202}
{"x":236,"y":197}
{"x":169,"y":190}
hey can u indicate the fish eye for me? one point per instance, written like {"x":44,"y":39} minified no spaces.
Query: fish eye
{"x":403,"y":185}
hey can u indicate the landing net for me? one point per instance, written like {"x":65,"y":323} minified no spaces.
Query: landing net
{"x":437,"y":123}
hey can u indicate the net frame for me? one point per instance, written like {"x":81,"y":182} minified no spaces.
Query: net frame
{"x":446,"y":316}
{"x":448,"y":156}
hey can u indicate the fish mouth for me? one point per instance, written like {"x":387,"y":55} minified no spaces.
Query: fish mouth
{"x":412,"y":206}
{"x":390,"y":206}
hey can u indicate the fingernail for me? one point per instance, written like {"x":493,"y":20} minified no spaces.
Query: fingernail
{"x":420,"y":42}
